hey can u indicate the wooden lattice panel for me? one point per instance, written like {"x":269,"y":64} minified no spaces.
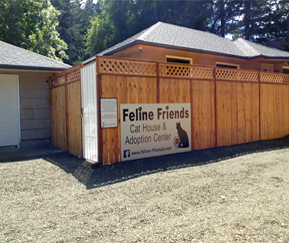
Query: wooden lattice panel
{"x":58,"y":81}
{"x":274,"y":78}
{"x":286,"y":79}
{"x":185,"y":71}
{"x":74,"y":75}
{"x":114,"y":66}
{"x":234,"y":75}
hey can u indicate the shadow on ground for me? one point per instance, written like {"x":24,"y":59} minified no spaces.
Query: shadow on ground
{"x":12,"y":154}
{"x":110,"y":174}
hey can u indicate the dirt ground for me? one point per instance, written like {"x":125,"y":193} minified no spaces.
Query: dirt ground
{"x":211,"y":195}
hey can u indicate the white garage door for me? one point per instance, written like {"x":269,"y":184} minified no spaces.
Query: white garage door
{"x":9,"y":111}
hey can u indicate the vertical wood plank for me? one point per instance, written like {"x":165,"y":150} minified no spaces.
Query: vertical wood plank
{"x":233,"y":113}
{"x":127,"y":90}
{"x":61,"y":119}
{"x":203,"y":115}
{"x":53,"y":107}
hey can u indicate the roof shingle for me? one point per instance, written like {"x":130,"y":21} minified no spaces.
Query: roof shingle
{"x":15,"y":57}
{"x":194,"y":40}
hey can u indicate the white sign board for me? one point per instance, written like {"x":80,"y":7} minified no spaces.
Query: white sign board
{"x":149,"y":130}
{"x":108,"y":108}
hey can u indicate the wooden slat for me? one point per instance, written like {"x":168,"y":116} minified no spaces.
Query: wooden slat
{"x":53,"y":107}
{"x":74,"y":119}
{"x":127,"y":90}
{"x":174,"y":90}
{"x":285,"y":110}
{"x":238,"y":113}
{"x":66,"y":129}
{"x":274,"y":112}
{"x":60,"y":138}
{"x":203,"y":112}
{"x":255,"y":114}
{"x":234,"y":107}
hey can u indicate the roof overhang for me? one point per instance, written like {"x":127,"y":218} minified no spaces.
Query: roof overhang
{"x":186,"y":49}
{"x":277,"y":59}
{"x":124,"y":47}
{"x":31,"y":68}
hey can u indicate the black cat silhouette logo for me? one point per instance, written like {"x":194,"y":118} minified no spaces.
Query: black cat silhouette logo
{"x":183,"y":141}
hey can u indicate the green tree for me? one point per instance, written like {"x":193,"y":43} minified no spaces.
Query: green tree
{"x":100,"y":35}
{"x":250,"y":19}
{"x":74,"y":21}
{"x":117,"y":20}
{"x":261,"y":20}
{"x":257,"y":21}
{"x":224,"y":13}
{"x":31,"y":25}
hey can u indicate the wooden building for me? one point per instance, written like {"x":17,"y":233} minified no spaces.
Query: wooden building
{"x":24,"y":97}
{"x":233,"y":92}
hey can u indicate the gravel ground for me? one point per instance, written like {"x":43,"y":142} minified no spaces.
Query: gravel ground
{"x":233,"y":194}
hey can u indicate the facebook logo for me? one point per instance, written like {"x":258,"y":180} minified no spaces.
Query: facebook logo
{"x":126,"y":153}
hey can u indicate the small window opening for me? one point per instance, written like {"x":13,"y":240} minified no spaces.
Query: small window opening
{"x":265,"y":67}
{"x":286,"y":70}
{"x":182,"y":60}
{"x":227,"y":65}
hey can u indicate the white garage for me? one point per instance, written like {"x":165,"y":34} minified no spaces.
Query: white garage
{"x":25,"y":97}
{"x":9,"y":111}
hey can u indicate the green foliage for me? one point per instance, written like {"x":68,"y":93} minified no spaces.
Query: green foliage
{"x":224,"y":13}
{"x":100,"y":35}
{"x":74,"y":21}
{"x":249,"y":20}
{"x":32,"y":25}
{"x":90,"y":28}
{"x":118,"y":20}
{"x":261,"y":20}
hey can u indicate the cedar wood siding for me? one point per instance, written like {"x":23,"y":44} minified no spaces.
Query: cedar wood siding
{"x":152,"y":53}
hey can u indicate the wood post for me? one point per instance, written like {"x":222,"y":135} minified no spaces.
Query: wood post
{"x":215,"y":107}
{"x":66,"y":114}
{"x":259,"y":80}
{"x":158,"y":81}
{"x":192,"y":114}
{"x":98,"y":92}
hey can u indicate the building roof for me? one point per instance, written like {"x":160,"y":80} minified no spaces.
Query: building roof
{"x":252,"y":50}
{"x":177,"y":37}
{"x":17,"y":58}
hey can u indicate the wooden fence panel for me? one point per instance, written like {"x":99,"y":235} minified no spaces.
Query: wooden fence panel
{"x":66,"y":127}
{"x":203,"y":114}
{"x":237,"y":113}
{"x":274,"y":111}
{"x":285,"y":110}
{"x":53,"y":110}
{"x":244,"y":107}
{"x":174,"y":90}
{"x":58,"y":118}
{"x":127,"y":90}
{"x":74,"y":130}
